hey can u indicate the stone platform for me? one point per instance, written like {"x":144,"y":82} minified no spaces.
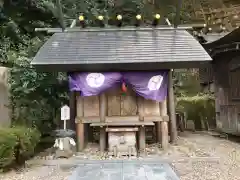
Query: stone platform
{"x":127,"y":170}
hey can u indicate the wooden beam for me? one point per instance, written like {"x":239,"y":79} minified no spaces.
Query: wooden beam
{"x":121,"y":129}
{"x":103,"y":113}
{"x":160,"y":27}
{"x":80,"y":125}
{"x":121,"y":119}
{"x":126,"y":123}
{"x":172,"y":112}
{"x":153,"y":118}
{"x":168,"y":22}
{"x":53,"y":30}
{"x":74,"y":22}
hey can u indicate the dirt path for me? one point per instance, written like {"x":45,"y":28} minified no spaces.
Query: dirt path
{"x":197,"y":156}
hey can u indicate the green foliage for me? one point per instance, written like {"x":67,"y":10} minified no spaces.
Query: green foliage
{"x":36,"y":96}
{"x":17,"y":143}
{"x":186,"y":82}
{"x":198,"y":108}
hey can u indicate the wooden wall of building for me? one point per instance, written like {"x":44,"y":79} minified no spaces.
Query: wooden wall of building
{"x":227,"y":92}
{"x":119,"y":104}
{"x":206,"y":74}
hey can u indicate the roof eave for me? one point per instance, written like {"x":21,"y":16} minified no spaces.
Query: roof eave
{"x":149,"y":66}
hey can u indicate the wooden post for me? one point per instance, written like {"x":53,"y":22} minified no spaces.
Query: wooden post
{"x":142,"y":138}
{"x":158,"y":125}
{"x":158,"y":132}
{"x":103,"y":113}
{"x":171,"y":103}
{"x":142,"y":135}
{"x":86,"y":131}
{"x":80,"y":125}
{"x":72,"y":105}
{"x":163,"y":126}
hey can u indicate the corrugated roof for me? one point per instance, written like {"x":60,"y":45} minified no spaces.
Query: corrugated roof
{"x":112,"y":48}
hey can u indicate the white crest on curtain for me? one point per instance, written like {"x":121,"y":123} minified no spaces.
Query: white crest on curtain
{"x":155,"y":82}
{"x":95,"y":80}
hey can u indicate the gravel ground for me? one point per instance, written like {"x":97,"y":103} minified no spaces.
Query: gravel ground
{"x":197,"y":156}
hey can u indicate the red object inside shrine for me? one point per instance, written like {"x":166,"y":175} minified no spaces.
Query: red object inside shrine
{"x":124,"y":87}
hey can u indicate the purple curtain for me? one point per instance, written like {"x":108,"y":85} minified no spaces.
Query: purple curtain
{"x":91,"y":84}
{"x":150,"y":85}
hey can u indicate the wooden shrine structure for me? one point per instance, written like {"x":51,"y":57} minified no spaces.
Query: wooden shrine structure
{"x":221,"y":39}
{"x":136,"y":49}
{"x":122,"y":49}
{"x":224,"y":75}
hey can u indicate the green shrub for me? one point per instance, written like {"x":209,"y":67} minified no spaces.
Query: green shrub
{"x":17,"y":144}
{"x":200,"y":109}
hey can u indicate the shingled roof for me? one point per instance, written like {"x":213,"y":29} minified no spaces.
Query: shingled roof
{"x":224,"y":39}
{"x":121,"y":50}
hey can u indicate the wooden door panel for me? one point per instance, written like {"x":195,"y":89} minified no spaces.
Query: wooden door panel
{"x":128,"y":105}
{"x":151,"y":108}
{"x":114,"y":102}
{"x":91,"y":106}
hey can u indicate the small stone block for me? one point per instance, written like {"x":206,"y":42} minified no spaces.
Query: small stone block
{"x":63,"y":154}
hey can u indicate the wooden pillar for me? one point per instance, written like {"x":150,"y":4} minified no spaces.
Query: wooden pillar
{"x":72,"y":105}
{"x":158,"y":125}
{"x":80,"y":126}
{"x":172,"y":112}
{"x":142,"y":135}
{"x":86,"y":131}
{"x":157,"y":131}
{"x":103,"y":113}
{"x":163,"y":125}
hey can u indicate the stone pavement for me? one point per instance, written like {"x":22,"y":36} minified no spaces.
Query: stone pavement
{"x":127,"y":170}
